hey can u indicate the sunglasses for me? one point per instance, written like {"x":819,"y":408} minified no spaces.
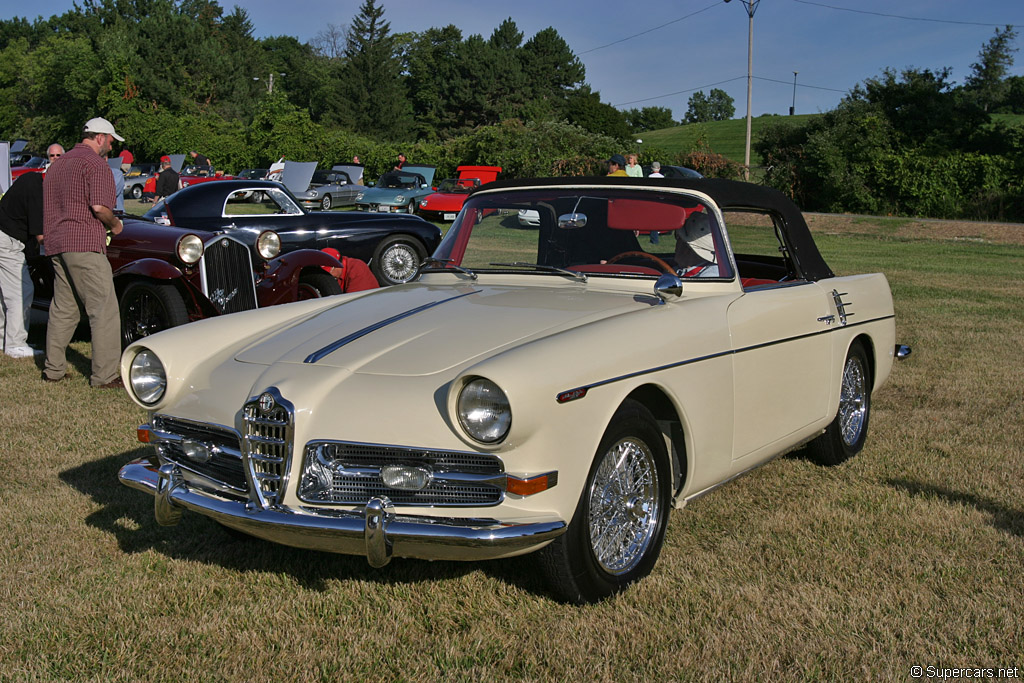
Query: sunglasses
{"x":53,"y":156}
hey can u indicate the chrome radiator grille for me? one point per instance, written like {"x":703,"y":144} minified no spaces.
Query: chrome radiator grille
{"x":351,"y":473}
{"x":268,"y":440}
{"x":227,"y":275}
{"x":223,"y":466}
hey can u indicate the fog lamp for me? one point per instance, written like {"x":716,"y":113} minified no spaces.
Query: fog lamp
{"x":406,"y":477}
{"x":196,"y":451}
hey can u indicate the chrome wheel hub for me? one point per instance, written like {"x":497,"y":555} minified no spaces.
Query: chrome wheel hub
{"x":852,"y":402}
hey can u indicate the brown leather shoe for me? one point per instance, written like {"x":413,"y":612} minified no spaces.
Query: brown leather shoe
{"x":54,"y":381}
{"x":116,"y":384}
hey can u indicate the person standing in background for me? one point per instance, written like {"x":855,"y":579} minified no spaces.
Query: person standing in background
{"x":21,"y":226}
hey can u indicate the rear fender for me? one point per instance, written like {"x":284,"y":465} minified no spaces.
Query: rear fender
{"x":280,"y":281}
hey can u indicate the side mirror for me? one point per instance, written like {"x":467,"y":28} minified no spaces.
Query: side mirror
{"x":668,"y":287}
{"x":571,"y":221}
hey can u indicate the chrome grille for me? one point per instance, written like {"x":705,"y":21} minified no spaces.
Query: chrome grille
{"x":267,"y":437}
{"x":346,"y":473}
{"x":224,"y":468}
{"x":228,"y":275}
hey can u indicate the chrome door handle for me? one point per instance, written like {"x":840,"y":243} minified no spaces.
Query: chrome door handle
{"x":827,"y":319}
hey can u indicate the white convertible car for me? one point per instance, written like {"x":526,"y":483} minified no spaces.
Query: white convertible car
{"x":556,"y":387}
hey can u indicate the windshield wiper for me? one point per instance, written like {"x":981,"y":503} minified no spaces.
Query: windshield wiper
{"x":446,"y":264}
{"x":582,"y":277}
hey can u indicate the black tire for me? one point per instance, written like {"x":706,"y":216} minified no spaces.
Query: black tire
{"x":149,"y":307}
{"x":397,"y":260}
{"x":325,"y":203}
{"x":410,"y":207}
{"x":316,"y":284}
{"x":136,"y":191}
{"x":617,"y":531}
{"x":845,"y":435}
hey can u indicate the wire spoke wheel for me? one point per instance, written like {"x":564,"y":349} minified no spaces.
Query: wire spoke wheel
{"x":852,"y":402}
{"x":624,"y":506}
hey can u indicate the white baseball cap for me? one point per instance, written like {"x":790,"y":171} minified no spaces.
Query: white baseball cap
{"x":100,"y":125}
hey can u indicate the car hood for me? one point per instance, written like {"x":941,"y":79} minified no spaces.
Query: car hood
{"x":378,"y":195}
{"x":418,"y":329}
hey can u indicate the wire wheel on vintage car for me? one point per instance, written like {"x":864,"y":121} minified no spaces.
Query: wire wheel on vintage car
{"x":136,"y":191}
{"x":397,"y":260}
{"x":149,"y":307}
{"x":325,"y":203}
{"x":313,"y":285}
{"x":618,"y":528}
{"x":845,"y":435}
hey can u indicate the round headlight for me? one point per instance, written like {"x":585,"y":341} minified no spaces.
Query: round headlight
{"x":147,"y":377}
{"x":268,"y":244}
{"x":400,"y":198}
{"x":190,"y":249}
{"x":359,"y":197}
{"x":484,"y":411}
{"x":313,"y":194}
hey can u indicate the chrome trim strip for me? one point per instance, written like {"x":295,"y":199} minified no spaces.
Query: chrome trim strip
{"x":428,"y":538}
{"x":582,"y":390}
{"x":334,"y":346}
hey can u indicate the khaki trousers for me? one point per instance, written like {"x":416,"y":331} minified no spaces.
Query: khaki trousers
{"x":84,"y":277}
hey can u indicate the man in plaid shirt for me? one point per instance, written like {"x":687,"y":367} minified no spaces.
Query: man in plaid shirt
{"x":78,"y":197}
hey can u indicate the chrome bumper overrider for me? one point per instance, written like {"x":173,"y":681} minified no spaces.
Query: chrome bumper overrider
{"x":374,"y":531}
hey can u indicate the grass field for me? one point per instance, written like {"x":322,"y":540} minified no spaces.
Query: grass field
{"x":911,"y":554}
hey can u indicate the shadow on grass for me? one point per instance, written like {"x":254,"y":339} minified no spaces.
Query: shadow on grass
{"x":1004,"y":518}
{"x":127,"y":515}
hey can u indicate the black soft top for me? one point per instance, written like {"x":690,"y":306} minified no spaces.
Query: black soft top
{"x":727,"y":194}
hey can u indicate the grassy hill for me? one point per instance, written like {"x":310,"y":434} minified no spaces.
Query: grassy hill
{"x":728,"y":137}
{"x":725,"y":137}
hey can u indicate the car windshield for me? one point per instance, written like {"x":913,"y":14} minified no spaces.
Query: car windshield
{"x":35,"y":162}
{"x":458,"y":185}
{"x":403,"y":181}
{"x":597,"y":231}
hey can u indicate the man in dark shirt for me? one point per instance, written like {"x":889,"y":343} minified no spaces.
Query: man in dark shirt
{"x":200,"y":160}
{"x":167,"y":180}
{"x":21,"y":225}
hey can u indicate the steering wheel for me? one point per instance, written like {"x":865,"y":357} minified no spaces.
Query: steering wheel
{"x":644,"y":255}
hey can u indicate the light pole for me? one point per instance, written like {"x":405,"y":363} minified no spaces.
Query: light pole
{"x":792,"y":110}
{"x":270,"y":81}
{"x":751,"y":7}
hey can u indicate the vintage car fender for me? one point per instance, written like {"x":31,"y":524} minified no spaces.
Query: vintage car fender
{"x":280,"y":280}
{"x":151,"y":268}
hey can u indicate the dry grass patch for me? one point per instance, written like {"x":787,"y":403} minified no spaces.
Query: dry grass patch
{"x":910,"y":554}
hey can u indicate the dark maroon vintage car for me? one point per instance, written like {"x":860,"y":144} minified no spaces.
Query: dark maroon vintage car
{"x":166,"y":275}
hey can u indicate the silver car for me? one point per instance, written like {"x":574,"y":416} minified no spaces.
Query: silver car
{"x":328,"y":189}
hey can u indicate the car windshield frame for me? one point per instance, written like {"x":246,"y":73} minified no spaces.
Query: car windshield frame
{"x":607,"y":232}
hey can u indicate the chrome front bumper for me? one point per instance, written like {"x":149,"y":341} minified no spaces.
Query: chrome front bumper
{"x":374,"y":531}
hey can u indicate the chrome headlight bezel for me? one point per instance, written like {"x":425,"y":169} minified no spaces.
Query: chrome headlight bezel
{"x":147,"y":377}
{"x":189,"y":249}
{"x":484,"y":411}
{"x":268,"y":244}
{"x":400,"y":199}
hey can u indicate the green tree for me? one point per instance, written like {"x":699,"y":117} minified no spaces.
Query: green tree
{"x":987,"y":81}
{"x":716,"y":106}
{"x":649,"y":118}
{"x":370,"y":89}
{"x":585,"y":109}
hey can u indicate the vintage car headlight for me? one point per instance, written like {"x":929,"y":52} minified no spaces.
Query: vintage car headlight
{"x":359,"y":197}
{"x":312,"y":194}
{"x":268,"y":244}
{"x":484,"y":411}
{"x":190,"y":249}
{"x":147,"y":377}
{"x":400,"y":199}
{"x":423,"y":204}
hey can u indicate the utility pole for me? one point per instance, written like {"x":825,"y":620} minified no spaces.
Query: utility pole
{"x":751,"y":7}
{"x":792,"y":110}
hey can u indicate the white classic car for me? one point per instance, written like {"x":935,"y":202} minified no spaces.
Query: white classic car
{"x":555,"y":388}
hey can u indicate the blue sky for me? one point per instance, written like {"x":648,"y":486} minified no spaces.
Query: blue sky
{"x":657,"y":52}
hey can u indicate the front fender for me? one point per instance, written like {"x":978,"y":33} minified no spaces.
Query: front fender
{"x":151,"y":268}
{"x":280,"y":281}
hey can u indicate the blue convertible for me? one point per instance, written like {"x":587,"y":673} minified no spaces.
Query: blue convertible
{"x":398,"y":191}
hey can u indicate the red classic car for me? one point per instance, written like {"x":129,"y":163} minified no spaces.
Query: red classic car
{"x":33,"y":165}
{"x":446,"y":203}
{"x":167,"y":275}
{"x":190,"y":175}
